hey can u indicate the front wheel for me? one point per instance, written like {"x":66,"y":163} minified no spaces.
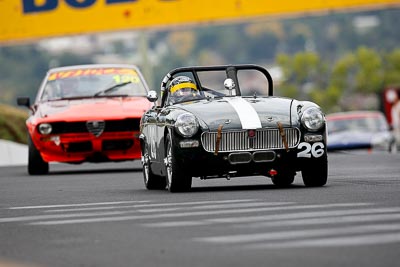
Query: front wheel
{"x":36,"y":164}
{"x":177,"y":179}
{"x":151,"y":181}
{"x":316,"y":174}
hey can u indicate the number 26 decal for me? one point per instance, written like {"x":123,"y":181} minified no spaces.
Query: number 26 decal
{"x":307,"y":150}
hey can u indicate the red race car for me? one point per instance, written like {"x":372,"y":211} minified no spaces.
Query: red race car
{"x":86,"y":113}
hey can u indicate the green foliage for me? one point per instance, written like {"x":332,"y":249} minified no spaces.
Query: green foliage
{"x":263,"y":47}
{"x":368,"y":78}
{"x":332,"y":84}
{"x":392,"y":68}
{"x":342,"y":72}
{"x":304,"y":71}
{"x":12,"y":124}
{"x":21,"y":69}
{"x":288,"y":90}
{"x":328,"y":98}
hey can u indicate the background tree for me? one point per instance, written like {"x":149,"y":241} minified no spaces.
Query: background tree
{"x":391,"y":68}
{"x":303,"y":75}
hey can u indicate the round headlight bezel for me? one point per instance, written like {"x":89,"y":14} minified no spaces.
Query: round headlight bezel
{"x":313,"y":119}
{"x":186,"y":124}
{"x":45,"y":128}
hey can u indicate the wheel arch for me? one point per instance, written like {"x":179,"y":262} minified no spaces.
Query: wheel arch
{"x":142,"y":140}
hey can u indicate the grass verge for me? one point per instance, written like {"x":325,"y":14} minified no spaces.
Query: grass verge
{"x":12,"y":124}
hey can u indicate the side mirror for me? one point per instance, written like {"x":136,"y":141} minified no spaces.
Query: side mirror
{"x":24,"y":101}
{"x":229,"y":85}
{"x":152,"y":96}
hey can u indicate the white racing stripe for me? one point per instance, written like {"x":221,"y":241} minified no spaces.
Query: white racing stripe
{"x":247,"y":114}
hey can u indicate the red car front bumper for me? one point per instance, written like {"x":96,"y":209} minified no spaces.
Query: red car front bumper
{"x":85,"y":147}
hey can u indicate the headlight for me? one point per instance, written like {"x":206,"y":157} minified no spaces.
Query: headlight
{"x":380,"y":140}
{"x":313,"y":119}
{"x":45,"y":128}
{"x":186,"y":125}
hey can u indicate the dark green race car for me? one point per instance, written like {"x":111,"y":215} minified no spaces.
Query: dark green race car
{"x":223,"y":121}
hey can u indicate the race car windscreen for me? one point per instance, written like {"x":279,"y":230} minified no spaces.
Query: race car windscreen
{"x":250,"y":82}
{"x":212,"y":83}
{"x":97,"y":82}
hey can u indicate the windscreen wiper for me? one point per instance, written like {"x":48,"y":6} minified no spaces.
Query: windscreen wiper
{"x":112,"y":88}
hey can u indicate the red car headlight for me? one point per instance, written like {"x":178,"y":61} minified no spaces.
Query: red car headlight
{"x":45,"y":128}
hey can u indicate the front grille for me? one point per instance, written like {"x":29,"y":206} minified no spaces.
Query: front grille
{"x":117,"y":144}
{"x":122,"y":125}
{"x":242,"y":157}
{"x":69,"y":127}
{"x":264,"y":156}
{"x":78,"y":147}
{"x":240,"y":141}
{"x":125,"y":125}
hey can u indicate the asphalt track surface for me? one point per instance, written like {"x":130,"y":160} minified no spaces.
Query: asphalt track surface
{"x":101,"y":215}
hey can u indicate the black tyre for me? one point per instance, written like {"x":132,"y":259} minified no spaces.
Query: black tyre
{"x":36,"y":164}
{"x":283,"y":179}
{"x":151,"y":181}
{"x":316,"y":174}
{"x":177,"y":179}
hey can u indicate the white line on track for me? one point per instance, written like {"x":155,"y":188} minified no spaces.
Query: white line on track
{"x":301,"y":215}
{"x":188,"y":214}
{"x":75,"y":205}
{"x":334,"y":220}
{"x":225,"y":206}
{"x":274,"y":217}
{"x":284,"y":235}
{"x":58,"y":216}
{"x":364,"y":240}
{"x":176,"y":204}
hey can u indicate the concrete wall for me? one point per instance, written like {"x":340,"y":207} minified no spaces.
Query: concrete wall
{"x":13,"y":153}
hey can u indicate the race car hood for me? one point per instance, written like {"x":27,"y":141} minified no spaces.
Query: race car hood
{"x":93,"y":108}
{"x":242,"y":112}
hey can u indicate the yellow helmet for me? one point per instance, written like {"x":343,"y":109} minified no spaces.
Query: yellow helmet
{"x":182,"y":85}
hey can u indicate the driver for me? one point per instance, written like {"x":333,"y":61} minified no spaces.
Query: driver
{"x":69,"y":87}
{"x":181,"y":89}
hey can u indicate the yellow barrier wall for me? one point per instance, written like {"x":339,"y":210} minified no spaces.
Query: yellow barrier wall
{"x":30,"y":19}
